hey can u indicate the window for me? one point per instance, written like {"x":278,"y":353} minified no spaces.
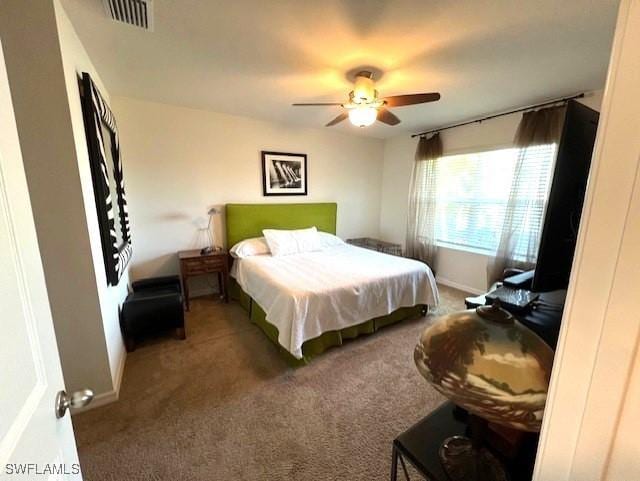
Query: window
{"x":473,"y":191}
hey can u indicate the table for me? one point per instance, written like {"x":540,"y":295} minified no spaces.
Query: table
{"x":544,"y":319}
{"x":192,"y":264}
{"x":420,"y":444}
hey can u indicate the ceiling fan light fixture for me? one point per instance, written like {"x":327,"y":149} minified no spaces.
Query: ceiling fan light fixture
{"x":363,"y":90}
{"x":365,"y":107}
{"x":363,"y":116}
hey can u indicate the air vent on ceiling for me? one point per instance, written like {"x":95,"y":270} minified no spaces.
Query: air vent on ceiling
{"x":138,"y":13}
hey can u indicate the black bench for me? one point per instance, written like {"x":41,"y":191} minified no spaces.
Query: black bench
{"x":154,"y":305}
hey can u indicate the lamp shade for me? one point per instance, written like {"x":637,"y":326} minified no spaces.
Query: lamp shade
{"x":363,"y":116}
{"x":487,"y":362}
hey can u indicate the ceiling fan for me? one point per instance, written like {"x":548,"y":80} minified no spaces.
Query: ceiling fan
{"x":365,"y":107}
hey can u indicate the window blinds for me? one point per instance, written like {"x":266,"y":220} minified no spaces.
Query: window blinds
{"x":473,"y":191}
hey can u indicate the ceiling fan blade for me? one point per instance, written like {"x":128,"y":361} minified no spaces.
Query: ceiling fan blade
{"x":387,"y":117}
{"x":411,"y":99}
{"x":316,"y":104}
{"x":338,"y":119}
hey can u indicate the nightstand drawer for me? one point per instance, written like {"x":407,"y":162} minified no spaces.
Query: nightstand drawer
{"x":204,"y":265}
{"x":195,"y":267}
{"x":213,"y":263}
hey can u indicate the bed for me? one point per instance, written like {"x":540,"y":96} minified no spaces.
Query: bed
{"x":308,"y":302}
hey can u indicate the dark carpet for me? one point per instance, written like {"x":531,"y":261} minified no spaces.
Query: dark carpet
{"x":223,"y":405}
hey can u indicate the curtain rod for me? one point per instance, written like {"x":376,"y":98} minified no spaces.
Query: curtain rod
{"x":522,"y":109}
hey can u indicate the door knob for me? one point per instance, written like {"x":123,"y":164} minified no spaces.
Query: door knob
{"x":77,"y":399}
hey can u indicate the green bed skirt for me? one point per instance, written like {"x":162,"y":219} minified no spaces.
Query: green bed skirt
{"x":317,"y":345}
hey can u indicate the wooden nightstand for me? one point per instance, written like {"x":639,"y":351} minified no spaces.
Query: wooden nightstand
{"x":192,"y":264}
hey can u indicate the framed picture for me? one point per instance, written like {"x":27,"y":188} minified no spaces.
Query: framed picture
{"x":108,"y":179}
{"x":284,"y":174}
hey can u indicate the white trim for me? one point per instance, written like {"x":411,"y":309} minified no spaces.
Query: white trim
{"x":120,"y":373}
{"x":460,"y":287}
{"x":456,"y":247}
{"x":107,"y":397}
{"x":101,"y":399}
{"x":600,"y":328}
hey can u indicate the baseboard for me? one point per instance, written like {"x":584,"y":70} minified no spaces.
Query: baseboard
{"x":120,"y":374}
{"x":101,"y":399}
{"x":460,"y":287}
{"x":107,"y":397}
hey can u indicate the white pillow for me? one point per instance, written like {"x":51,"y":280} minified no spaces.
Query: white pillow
{"x":256,"y":246}
{"x":329,"y":240}
{"x":287,"y":242}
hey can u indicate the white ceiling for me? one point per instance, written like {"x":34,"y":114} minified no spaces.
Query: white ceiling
{"x":256,"y":57}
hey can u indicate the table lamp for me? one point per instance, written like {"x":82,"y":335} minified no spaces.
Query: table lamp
{"x":210,"y":248}
{"x":494,"y":367}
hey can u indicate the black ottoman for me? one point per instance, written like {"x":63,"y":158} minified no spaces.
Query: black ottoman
{"x":155,"y":305}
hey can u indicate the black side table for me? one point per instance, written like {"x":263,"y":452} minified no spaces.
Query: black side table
{"x":420,"y":445}
{"x":544,"y":319}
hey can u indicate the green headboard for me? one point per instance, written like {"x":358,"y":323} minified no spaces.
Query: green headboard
{"x":247,"y":220}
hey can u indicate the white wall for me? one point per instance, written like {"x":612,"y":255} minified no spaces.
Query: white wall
{"x":43,"y":57}
{"x":75,"y":62}
{"x":178,"y":162}
{"x":462,"y":269}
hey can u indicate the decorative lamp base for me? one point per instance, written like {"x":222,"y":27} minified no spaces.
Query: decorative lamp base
{"x":462,"y":461}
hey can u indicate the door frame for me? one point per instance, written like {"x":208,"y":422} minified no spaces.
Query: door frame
{"x":600,"y":326}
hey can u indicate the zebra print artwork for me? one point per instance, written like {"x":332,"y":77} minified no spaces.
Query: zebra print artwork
{"x":108,"y":180}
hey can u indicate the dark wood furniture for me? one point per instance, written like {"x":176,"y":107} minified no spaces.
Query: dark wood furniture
{"x":420,"y":445}
{"x":377,"y":245}
{"x":193,"y":264}
{"x":566,"y":195}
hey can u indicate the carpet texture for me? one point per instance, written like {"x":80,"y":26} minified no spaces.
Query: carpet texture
{"x":222,"y":405}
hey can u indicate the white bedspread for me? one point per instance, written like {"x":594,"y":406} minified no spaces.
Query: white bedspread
{"x":305,"y":295}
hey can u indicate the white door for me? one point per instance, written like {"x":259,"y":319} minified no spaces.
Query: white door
{"x":592,"y":413}
{"x":33,"y":441}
